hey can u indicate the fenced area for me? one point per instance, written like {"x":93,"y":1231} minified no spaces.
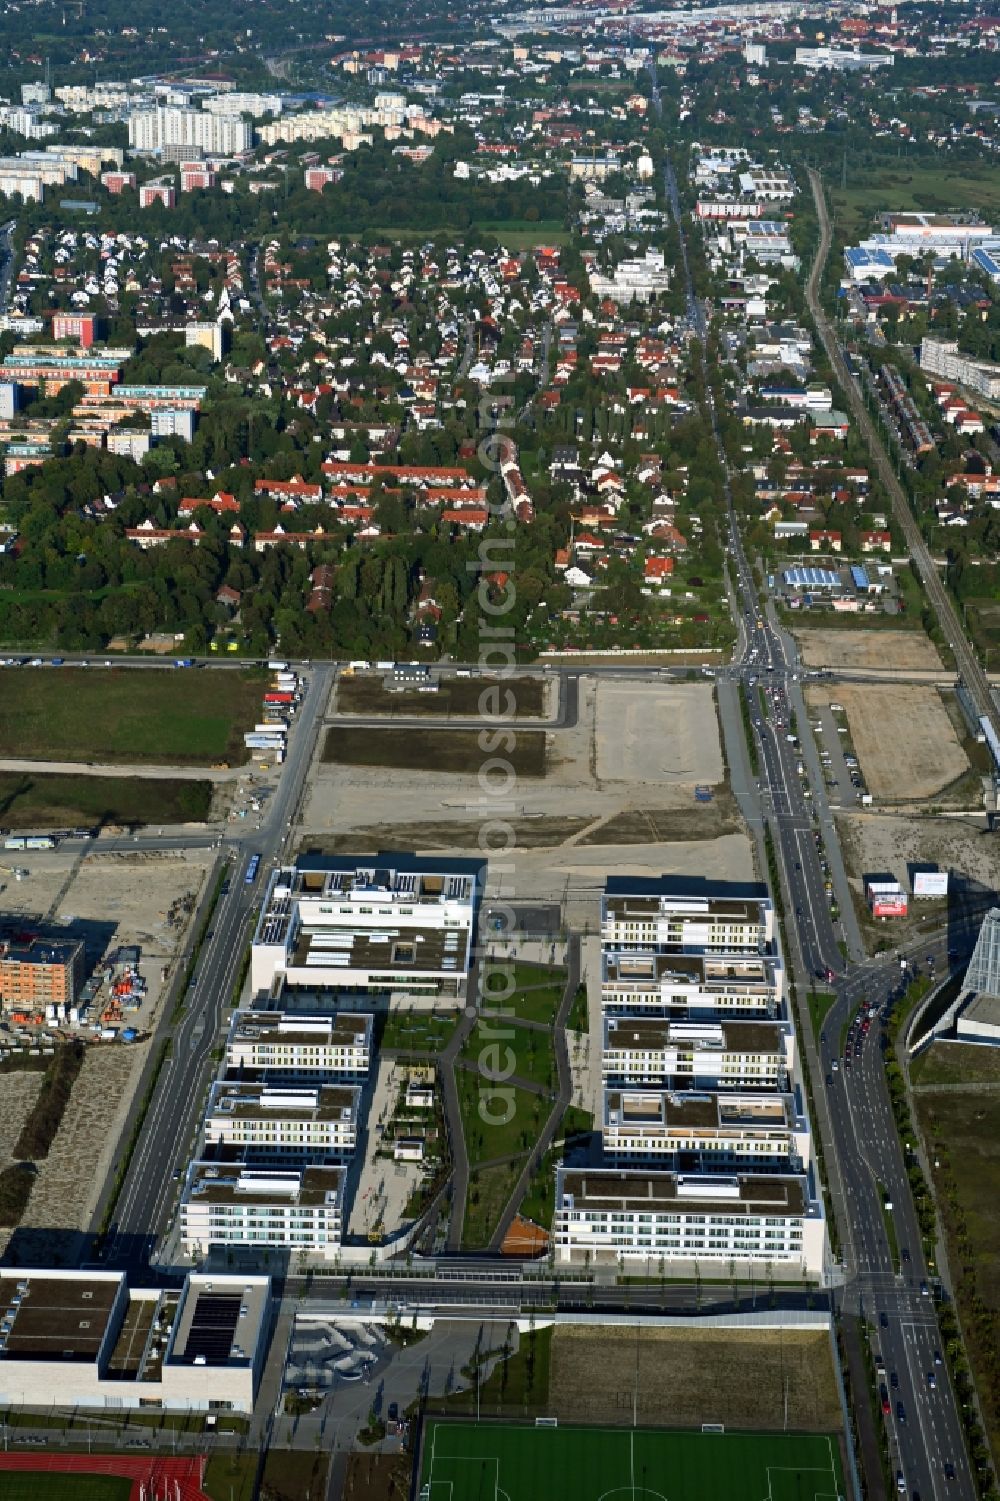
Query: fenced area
{"x":513,"y":1462}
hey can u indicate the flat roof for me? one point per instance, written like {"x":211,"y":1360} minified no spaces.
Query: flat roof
{"x":630,"y":1190}
{"x":708,"y":1111}
{"x":687,"y":888}
{"x":212,"y":1183}
{"x":295,"y":1029}
{"x":983,"y":1008}
{"x":416,"y":950}
{"x":220,"y":1320}
{"x":709,"y":971}
{"x":268,"y":1102}
{"x":56,"y":1318}
{"x":651,"y":1034}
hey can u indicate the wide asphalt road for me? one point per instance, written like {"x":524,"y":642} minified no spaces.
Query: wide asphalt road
{"x":148,"y":1194}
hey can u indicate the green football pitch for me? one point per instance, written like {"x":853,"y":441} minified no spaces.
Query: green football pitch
{"x":485,"y":1462}
{"x":42,"y":1485}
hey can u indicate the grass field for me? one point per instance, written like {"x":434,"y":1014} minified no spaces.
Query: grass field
{"x":486,"y":1462}
{"x":54,"y":801}
{"x":956,"y":1063}
{"x":458,"y":696}
{"x":38,"y":1486}
{"x":909,"y":186}
{"x":118,"y":715}
{"x":431,"y":750}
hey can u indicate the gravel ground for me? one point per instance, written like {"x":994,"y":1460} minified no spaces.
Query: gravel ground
{"x":71,"y":1177}
{"x":860,"y":648}
{"x":688,"y":1376}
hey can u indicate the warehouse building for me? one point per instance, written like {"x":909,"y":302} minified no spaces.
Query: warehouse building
{"x":89,"y":1340}
{"x":389,"y":924}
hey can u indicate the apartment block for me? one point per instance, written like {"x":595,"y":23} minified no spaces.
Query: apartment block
{"x":741,"y":1221}
{"x":39,"y":973}
{"x":211,"y":336}
{"x":698,"y":1055}
{"x":295,"y":1124}
{"x":256,"y":1207}
{"x":942,"y":357}
{"x":705,"y":1132}
{"x":157,"y":192}
{"x":390,"y":924}
{"x":704,"y":1126}
{"x":154,"y":130}
{"x":294,"y":1045}
{"x":686,"y":916}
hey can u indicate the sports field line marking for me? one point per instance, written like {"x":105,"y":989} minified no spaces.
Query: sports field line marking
{"x":468,"y":1459}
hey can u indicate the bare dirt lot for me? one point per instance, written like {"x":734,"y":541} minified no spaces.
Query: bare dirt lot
{"x":460,"y":697}
{"x":849,"y":648}
{"x":589,"y":815}
{"x":885,"y":844}
{"x":71,"y":1177}
{"x":876,"y":842}
{"x":903,"y":735}
{"x":661,"y":733}
{"x":691,"y":1376}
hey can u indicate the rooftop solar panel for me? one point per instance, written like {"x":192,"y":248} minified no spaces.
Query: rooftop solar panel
{"x":212,"y":1327}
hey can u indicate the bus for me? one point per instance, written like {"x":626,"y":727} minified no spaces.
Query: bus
{"x":252,"y":870}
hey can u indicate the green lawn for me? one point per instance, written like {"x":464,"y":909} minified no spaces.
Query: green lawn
{"x":536,"y":974}
{"x":489,"y":1190}
{"x":38,"y":1486}
{"x":53,"y":801}
{"x":187,"y":717}
{"x":819,"y":1005}
{"x":903,"y":186}
{"x":424,"y":1031}
{"x":956,"y":1063}
{"x":473,"y":1462}
{"x":537,"y":1005}
{"x":530,"y":1050}
{"x":498,"y":1119}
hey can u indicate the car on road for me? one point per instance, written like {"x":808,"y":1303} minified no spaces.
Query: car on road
{"x":949,"y":1470}
{"x":886,"y":1404}
{"x":932,"y":1380}
{"x":925,"y":1291}
{"x":900,"y":1413}
{"x":894,"y":1381}
{"x":883,"y":1319}
{"x":904,"y":1253}
{"x":937,"y":1358}
{"x":900,"y":1483}
{"x":835,"y":1065}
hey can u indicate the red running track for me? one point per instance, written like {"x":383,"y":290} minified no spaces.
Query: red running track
{"x":164,"y":1479}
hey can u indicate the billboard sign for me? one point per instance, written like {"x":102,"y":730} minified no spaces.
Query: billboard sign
{"x":890,"y":906}
{"x":930,"y":883}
